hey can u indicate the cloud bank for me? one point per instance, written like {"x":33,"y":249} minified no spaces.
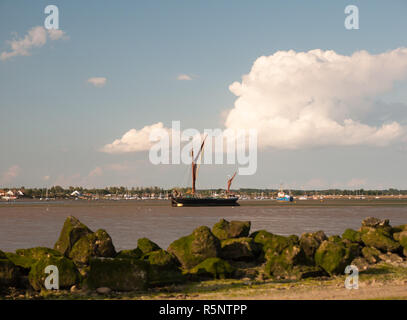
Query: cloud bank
{"x":184,"y":77}
{"x":308,"y":99}
{"x":36,"y":37}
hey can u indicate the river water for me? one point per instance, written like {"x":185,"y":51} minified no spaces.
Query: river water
{"x":29,"y":225}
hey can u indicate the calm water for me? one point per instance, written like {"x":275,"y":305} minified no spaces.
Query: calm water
{"x":29,"y":225}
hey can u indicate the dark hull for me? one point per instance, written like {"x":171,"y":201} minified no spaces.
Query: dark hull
{"x":203,"y":202}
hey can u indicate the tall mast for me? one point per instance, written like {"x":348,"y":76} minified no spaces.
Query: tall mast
{"x":230,"y":182}
{"x":194,"y":167}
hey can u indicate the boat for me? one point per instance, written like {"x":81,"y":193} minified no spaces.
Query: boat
{"x":195,"y":200}
{"x":283,"y":197}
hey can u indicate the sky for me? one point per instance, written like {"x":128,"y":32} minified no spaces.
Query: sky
{"x":329,"y":104}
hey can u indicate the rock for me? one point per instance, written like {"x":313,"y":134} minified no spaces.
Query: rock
{"x":239,"y":249}
{"x":380,"y":239}
{"x":235,"y":229}
{"x":371,"y":254}
{"x":214,"y":268}
{"x":146,"y":245}
{"x":2,"y":255}
{"x":391,"y":258}
{"x":164,"y":268}
{"x":310,"y":242}
{"x":97,"y":244}
{"x":71,"y":232}
{"x":74,"y":289}
{"x":352,"y":236}
{"x":195,"y":248}
{"x":26,"y":258}
{"x":361,"y":263}
{"x":333,"y":257}
{"x":282,"y":264}
{"x":401,"y":237}
{"x":130,"y":254}
{"x":103,"y":290}
{"x":374,"y":222}
{"x":67,"y":271}
{"x":273,"y":244}
{"x":117,"y":274}
{"x":335,"y":238}
{"x":9,"y":273}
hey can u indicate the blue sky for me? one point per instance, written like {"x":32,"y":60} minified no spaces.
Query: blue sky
{"x":53,"y":123}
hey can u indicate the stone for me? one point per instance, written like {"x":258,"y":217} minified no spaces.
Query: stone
{"x":117,"y":274}
{"x":352,"y":235}
{"x":214,"y":268}
{"x":380,"y":239}
{"x":130,"y":254}
{"x":97,"y":244}
{"x":282,"y":264}
{"x":71,"y":232}
{"x":146,"y":245}
{"x":235,"y":229}
{"x":361,"y":263}
{"x":310,"y":242}
{"x":103,"y":290}
{"x":273,"y":244}
{"x":239,"y":249}
{"x":371,"y":254}
{"x":195,"y":248}
{"x":164,"y":268}
{"x":375,"y":222}
{"x":333,"y":257}
{"x":68,"y":273}
{"x":9,"y":273}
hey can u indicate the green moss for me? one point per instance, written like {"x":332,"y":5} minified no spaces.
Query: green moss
{"x":239,"y":249}
{"x":380,"y":239}
{"x":333,"y":257}
{"x":335,"y":238}
{"x":37,"y":252}
{"x":2,"y":255}
{"x":21,"y":261}
{"x":195,"y":248}
{"x":164,"y":268}
{"x":401,"y":237}
{"x":235,"y":229}
{"x":68,"y":274}
{"x":352,"y":235}
{"x":117,"y":274}
{"x":146,"y":245}
{"x":214,"y":268}
{"x":71,"y":232}
{"x":310,"y":242}
{"x":9,"y":273}
{"x":371,"y":254}
{"x":130,"y":254}
{"x":282,"y":264}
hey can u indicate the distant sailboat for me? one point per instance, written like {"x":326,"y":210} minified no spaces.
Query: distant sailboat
{"x":193,"y":199}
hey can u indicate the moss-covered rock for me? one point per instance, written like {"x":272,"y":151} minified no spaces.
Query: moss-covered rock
{"x":71,"y":232}
{"x":380,"y":239}
{"x":282,"y":264}
{"x":234,"y":229}
{"x":117,"y":274}
{"x":401,"y":237}
{"x":310,"y":242}
{"x":371,"y":254}
{"x":26,"y":258}
{"x":335,"y":238}
{"x":146,"y":245}
{"x":195,"y":248}
{"x":333,"y":257}
{"x":214,"y":268}
{"x":97,"y":244}
{"x":130,"y":254}
{"x":21,"y":261}
{"x":352,"y":235}
{"x":67,"y":271}
{"x":273,"y":244}
{"x":375,"y":222}
{"x":164,"y":268}
{"x":239,"y":249}
{"x":9,"y":273}
{"x":2,"y":255}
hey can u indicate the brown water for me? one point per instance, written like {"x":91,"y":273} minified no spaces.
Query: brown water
{"x":29,"y":225}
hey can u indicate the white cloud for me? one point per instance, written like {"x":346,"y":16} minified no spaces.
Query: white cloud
{"x":97,"y":81}
{"x":133,"y":140}
{"x":36,"y":37}
{"x":184,"y":77}
{"x":357,"y":183}
{"x":9,"y":175}
{"x":315,"y":98}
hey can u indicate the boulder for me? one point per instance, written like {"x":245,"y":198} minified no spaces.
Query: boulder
{"x":391,"y":258}
{"x":375,"y":222}
{"x":214,"y":268}
{"x":67,"y":271}
{"x":26,"y":258}
{"x":335,"y":238}
{"x":361,"y":263}
{"x":239,"y":249}
{"x":380,"y":239}
{"x":273,"y":244}
{"x":71,"y":232}
{"x":310,"y":242}
{"x":371,"y":254}
{"x":130,"y":254}
{"x":146,"y":245}
{"x":401,"y":237}
{"x":97,"y":244}
{"x":352,"y":235}
{"x":164,"y":268}
{"x":195,"y":248}
{"x":117,"y":274}
{"x":333,"y":257}
{"x":9,"y":272}
{"x":235,"y":229}
{"x":282,"y":264}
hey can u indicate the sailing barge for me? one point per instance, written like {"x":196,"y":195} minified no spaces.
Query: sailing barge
{"x":194,"y":200}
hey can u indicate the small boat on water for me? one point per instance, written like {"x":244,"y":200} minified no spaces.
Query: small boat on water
{"x":283,"y":197}
{"x":195,"y":200}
